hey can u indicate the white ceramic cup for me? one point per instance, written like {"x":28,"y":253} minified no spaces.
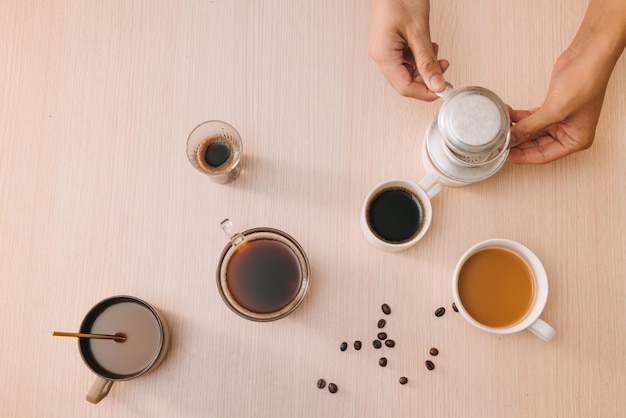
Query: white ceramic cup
{"x":531,"y":320}
{"x":425,"y":190}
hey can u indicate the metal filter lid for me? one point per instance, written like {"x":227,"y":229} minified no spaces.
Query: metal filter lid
{"x":474,"y":125}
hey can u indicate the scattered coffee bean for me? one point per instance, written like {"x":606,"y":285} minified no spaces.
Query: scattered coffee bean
{"x":332,"y":388}
{"x":382,"y":336}
{"x":440,"y":311}
{"x":390,"y":343}
{"x":382,"y":323}
{"x":430,"y":365}
{"x":321,"y":384}
{"x":433,"y":351}
{"x":454,"y":308}
{"x":344,"y":346}
{"x":382,"y":361}
{"x":357,"y":345}
{"x":386,"y":309}
{"x":403,"y":380}
{"x":377,"y":344}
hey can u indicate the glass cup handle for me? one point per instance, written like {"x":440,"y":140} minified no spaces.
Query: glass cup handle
{"x":229,"y":228}
{"x":445,"y":92}
{"x":99,"y":390}
{"x":542,"y":330}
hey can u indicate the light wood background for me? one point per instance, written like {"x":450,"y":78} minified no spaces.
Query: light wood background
{"x":97,"y":199}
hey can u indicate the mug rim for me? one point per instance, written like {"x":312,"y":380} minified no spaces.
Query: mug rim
{"x":423,"y":198}
{"x":538,"y":273}
{"x":83,"y":343}
{"x":286,"y":310}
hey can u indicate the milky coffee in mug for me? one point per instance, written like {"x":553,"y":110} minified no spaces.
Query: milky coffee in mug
{"x":145,"y":347}
{"x":500,"y":286}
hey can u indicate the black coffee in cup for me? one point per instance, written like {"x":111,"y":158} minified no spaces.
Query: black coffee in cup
{"x":395,"y":215}
{"x":263,"y":275}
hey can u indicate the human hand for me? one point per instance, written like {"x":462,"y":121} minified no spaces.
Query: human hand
{"x":399,"y":42}
{"x":566,"y":121}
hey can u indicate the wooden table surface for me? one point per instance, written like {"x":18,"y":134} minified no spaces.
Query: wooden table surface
{"x":97,"y":199}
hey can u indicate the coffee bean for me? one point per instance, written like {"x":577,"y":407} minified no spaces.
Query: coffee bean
{"x":357,"y":345}
{"x":332,"y":388}
{"x":344,"y":346}
{"x":454,"y":308}
{"x":430,"y":365}
{"x":386,"y":309}
{"x":382,"y":323}
{"x":382,"y":336}
{"x":390,"y":343}
{"x":440,"y":311}
{"x":433,"y":351}
{"x":403,"y":380}
{"x":377,"y":344}
{"x":321,"y":383}
{"x":382,"y":361}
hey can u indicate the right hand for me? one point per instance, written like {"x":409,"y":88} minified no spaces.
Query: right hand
{"x":399,"y":42}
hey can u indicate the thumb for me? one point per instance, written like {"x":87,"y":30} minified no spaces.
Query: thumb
{"x":530,"y":124}
{"x":428,"y":66}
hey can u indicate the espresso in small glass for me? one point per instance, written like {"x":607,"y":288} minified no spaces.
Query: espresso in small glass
{"x":214,"y":148}
{"x":215,"y":154}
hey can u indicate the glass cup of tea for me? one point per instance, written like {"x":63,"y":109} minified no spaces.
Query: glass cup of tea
{"x":214,"y":148}
{"x":397,"y":213}
{"x":500,"y":286}
{"x":146,"y":342}
{"x":263,"y":273}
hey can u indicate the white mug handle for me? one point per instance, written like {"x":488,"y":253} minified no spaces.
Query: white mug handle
{"x":99,"y":389}
{"x":542,"y":330}
{"x":429,"y":184}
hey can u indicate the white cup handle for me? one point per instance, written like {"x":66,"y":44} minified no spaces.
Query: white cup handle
{"x":99,"y":390}
{"x":429,"y":184}
{"x":542,"y":330}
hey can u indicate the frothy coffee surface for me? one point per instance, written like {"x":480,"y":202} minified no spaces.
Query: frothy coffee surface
{"x":216,"y":153}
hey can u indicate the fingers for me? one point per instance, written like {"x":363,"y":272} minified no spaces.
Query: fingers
{"x":518,"y":115}
{"x":530,"y":124}
{"x":406,"y":78}
{"x":538,"y":151}
{"x":427,"y":64}
{"x":537,"y":137}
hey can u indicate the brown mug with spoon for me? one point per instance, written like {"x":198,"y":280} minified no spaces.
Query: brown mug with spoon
{"x":121,"y":338}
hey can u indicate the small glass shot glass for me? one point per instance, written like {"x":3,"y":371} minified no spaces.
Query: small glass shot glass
{"x":215,"y":149}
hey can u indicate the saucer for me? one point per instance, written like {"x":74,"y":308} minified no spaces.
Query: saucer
{"x":433,"y":154}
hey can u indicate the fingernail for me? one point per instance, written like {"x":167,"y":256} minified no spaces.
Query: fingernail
{"x":437,"y":82}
